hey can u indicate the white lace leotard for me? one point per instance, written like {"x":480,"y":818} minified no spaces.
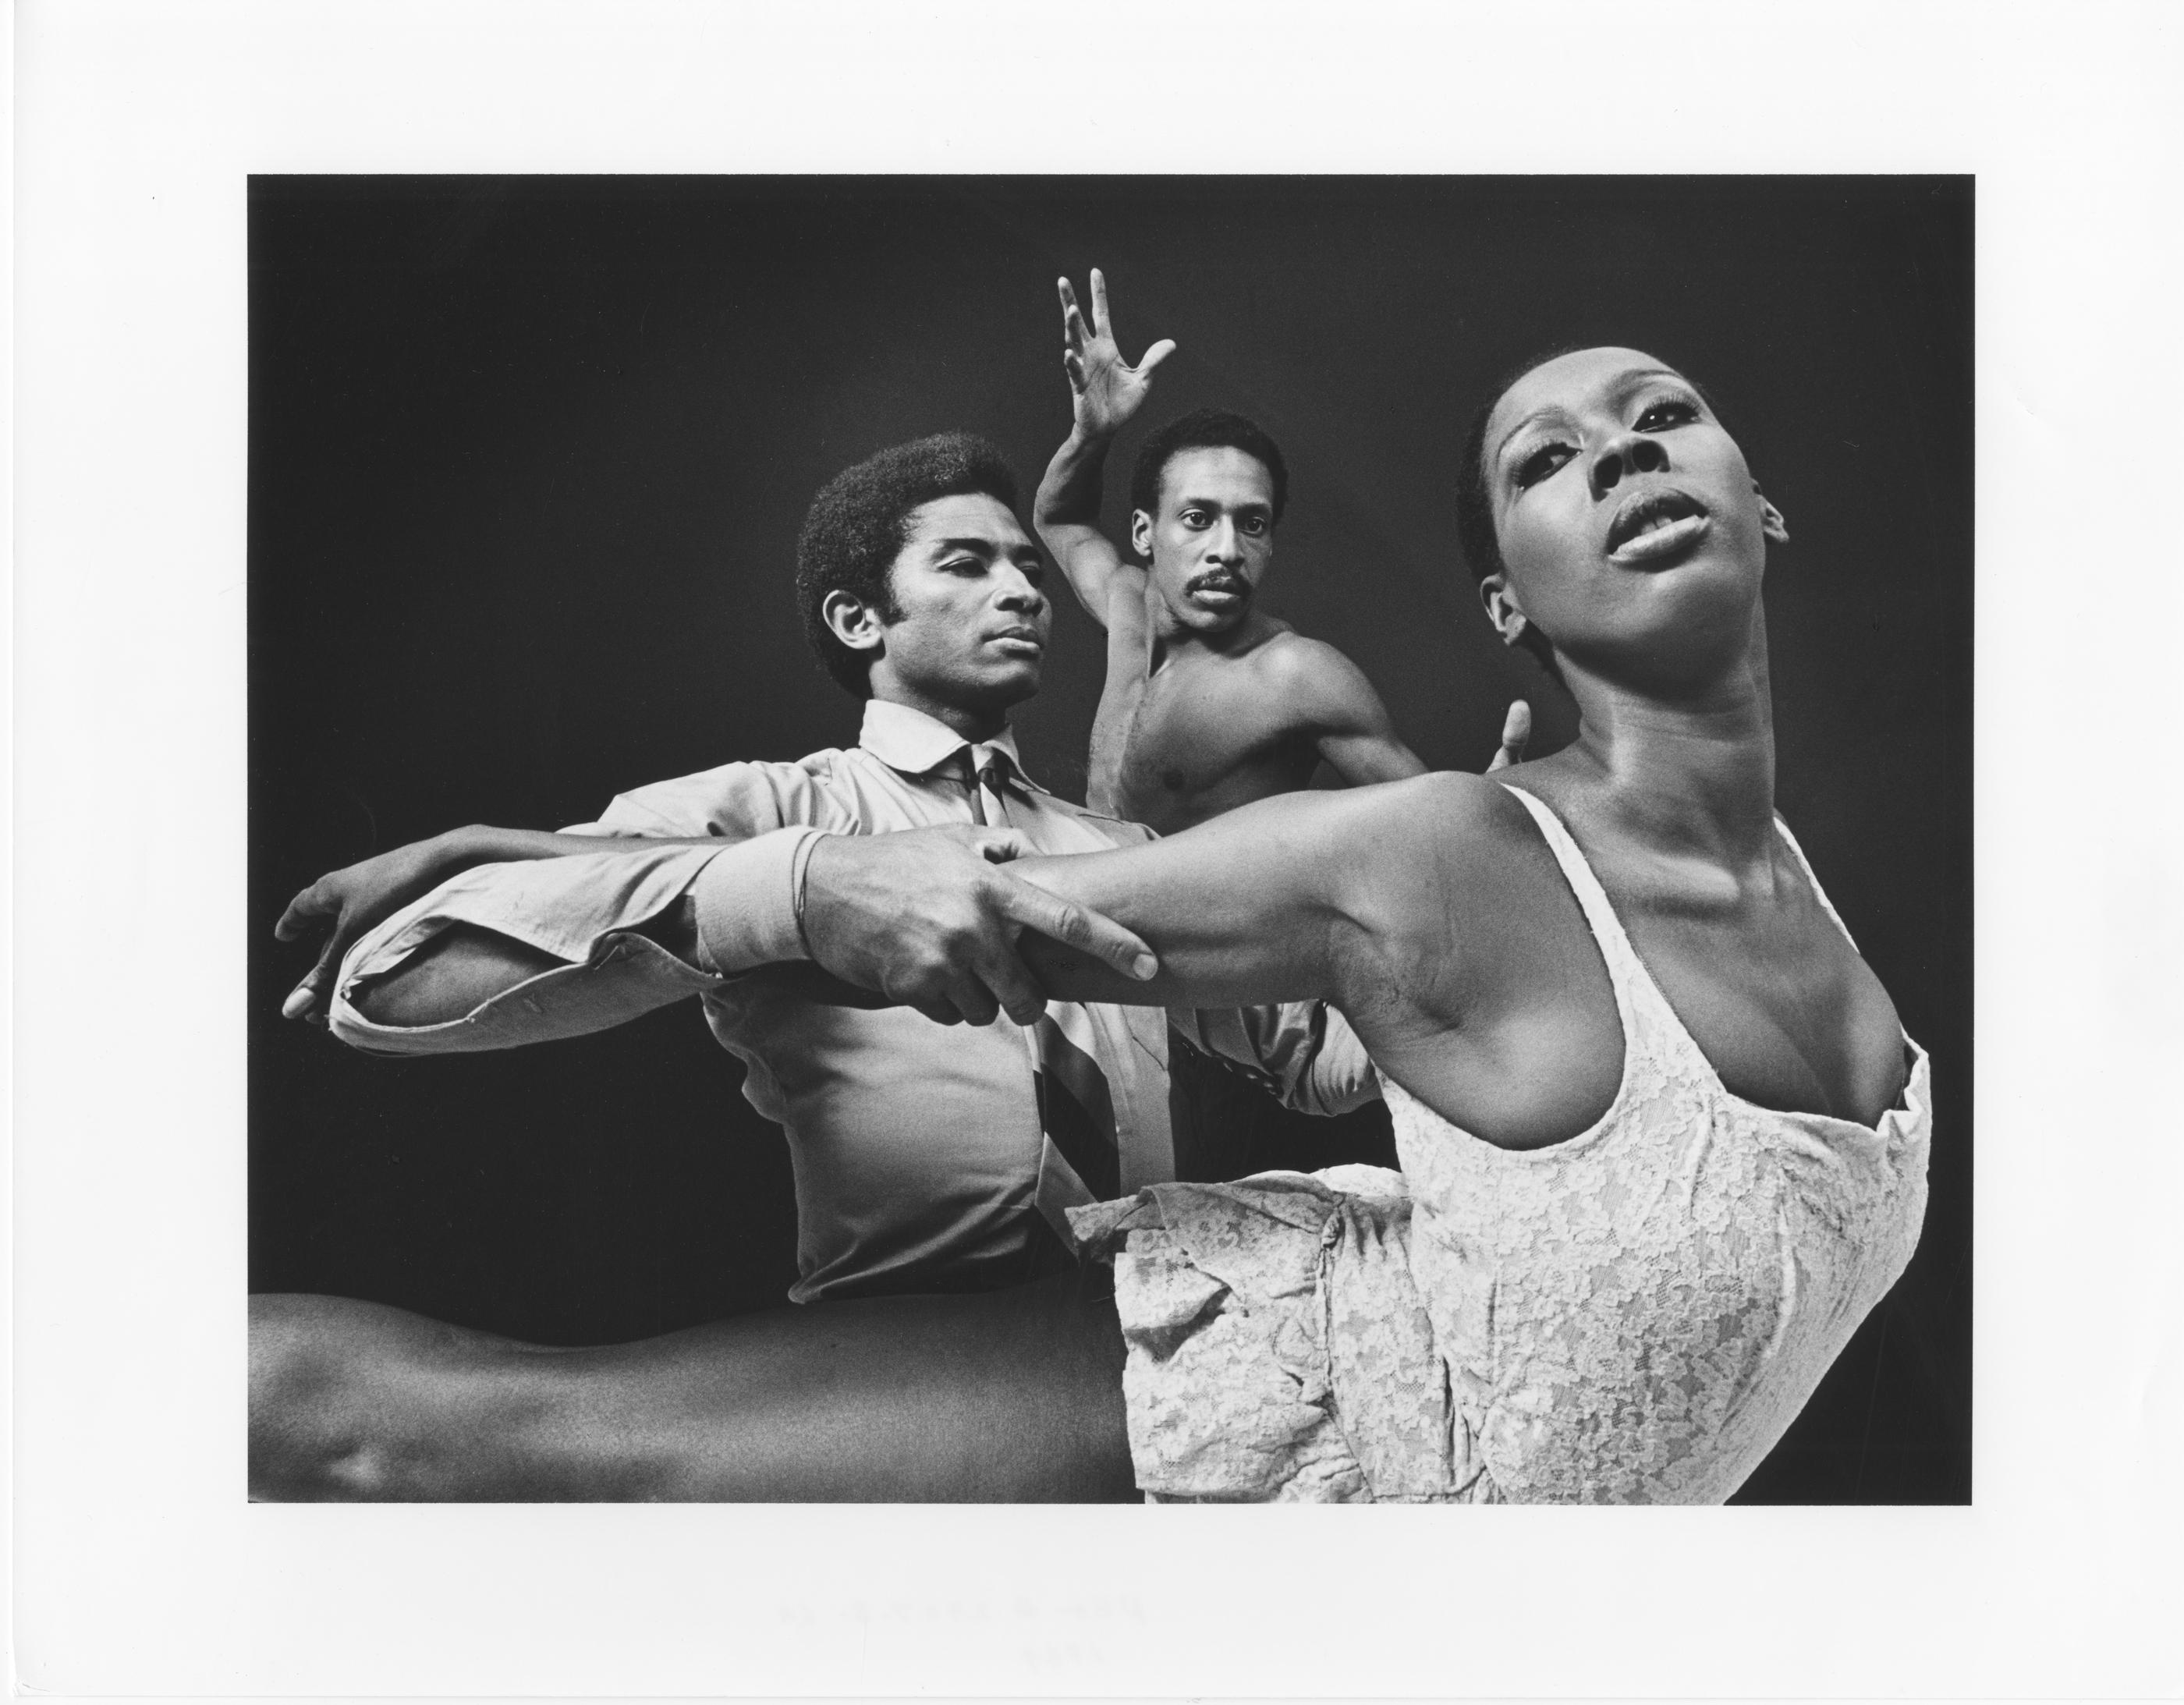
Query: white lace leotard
{"x":1634,"y":1315}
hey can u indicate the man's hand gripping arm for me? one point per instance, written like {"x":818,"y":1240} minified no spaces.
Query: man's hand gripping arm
{"x":925,"y":918}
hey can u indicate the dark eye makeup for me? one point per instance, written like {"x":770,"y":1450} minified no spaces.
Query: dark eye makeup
{"x":1656,"y":417}
{"x":1669,"y":412}
{"x":1541,"y":462}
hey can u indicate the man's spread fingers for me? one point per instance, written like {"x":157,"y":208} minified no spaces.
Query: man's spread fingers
{"x":1159,"y":353}
{"x":1100,"y":320}
{"x":301,"y":999}
{"x":1079,"y":927}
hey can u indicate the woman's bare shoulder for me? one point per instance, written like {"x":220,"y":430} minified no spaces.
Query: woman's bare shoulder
{"x":1442,"y":843}
{"x":1455,"y":811}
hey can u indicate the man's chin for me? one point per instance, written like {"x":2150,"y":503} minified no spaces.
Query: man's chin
{"x":1010,"y":683}
{"x":1217,"y":614}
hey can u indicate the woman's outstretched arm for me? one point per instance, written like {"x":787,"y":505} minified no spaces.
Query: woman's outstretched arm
{"x":1261,"y":904}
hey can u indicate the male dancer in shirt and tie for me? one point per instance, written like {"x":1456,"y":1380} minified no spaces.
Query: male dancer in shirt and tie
{"x":926,"y":1158}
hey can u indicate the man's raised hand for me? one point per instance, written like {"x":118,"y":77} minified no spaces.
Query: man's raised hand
{"x":1105,"y":389}
{"x":929,"y":918}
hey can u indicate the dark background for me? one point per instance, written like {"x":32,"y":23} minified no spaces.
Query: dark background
{"x":527,"y":459}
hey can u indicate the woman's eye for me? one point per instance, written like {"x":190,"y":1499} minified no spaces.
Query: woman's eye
{"x":1541,"y":462}
{"x":1674,"y":412}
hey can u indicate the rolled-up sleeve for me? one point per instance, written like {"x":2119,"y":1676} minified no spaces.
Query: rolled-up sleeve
{"x":585,"y":910}
{"x":1302,"y":1051}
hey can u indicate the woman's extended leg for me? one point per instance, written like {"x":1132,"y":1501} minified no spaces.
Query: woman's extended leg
{"x":1006,"y":1396}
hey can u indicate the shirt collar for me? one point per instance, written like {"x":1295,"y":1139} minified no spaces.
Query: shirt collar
{"x":914,"y":743}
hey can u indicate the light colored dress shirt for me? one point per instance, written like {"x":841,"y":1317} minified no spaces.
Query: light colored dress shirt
{"x":916,"y":1146}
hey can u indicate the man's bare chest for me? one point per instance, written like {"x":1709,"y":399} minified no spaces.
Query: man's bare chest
{"x":1186,"y":731}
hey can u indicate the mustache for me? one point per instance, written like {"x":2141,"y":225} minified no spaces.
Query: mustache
{"x":1217,"y":580}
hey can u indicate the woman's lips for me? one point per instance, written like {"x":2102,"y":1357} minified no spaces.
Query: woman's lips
{"x":1673,"y":539}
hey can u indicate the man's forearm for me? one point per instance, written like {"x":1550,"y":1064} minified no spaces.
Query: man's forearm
{"x":1071,"y":493}
{"x":450,"y":977}
{"x":523,"y":951}
{"x":477,"y":844}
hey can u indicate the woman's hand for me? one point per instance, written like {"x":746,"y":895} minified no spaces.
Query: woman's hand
{"x":1516,"y":735}
{"x":352,"y":901}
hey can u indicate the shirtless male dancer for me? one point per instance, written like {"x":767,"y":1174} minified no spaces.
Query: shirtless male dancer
{"x":1210,"y":703}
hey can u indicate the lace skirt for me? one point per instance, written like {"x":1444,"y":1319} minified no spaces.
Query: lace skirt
{"x":1279,"y":1350}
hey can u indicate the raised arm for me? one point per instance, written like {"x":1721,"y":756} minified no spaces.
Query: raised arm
{"x":1105,"y":392}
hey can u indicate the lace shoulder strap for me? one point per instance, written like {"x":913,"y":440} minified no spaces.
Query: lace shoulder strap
{"x":1820,"y":894}
{"x":1625,"y":968}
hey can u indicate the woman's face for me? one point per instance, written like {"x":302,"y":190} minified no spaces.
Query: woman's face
{"x":1629,"y":524}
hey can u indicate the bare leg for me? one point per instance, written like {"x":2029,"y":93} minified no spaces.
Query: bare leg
{"x":1013,"y":1395}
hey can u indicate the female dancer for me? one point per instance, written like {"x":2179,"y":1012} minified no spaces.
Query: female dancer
{"x":1663,"y":1141}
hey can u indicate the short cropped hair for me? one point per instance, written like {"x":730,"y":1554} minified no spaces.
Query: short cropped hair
{"x":859,"y":523}
{"x":1204,"y":429}
{"x":1474,"y":506}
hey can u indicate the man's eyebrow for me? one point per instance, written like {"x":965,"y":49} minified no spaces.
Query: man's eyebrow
{"x":1187,"y":501}
{"x":1625,"y":383}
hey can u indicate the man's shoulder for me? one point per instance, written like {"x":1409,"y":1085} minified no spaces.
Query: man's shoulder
{"x":1296,"y":660}
{"x":1301,"y":683}
{"x":732,"y":798}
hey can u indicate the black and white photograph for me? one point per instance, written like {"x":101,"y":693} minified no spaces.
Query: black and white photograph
{"x":804,"y":797}
{"x":1568,"y":1150}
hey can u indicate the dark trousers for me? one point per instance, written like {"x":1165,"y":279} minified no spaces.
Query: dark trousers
{"x":1227,"y":1127}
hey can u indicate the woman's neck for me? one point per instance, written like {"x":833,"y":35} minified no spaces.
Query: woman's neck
{"x":1690,"y":772}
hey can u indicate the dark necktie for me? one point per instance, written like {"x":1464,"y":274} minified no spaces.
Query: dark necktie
{"x":1081,"y":1160}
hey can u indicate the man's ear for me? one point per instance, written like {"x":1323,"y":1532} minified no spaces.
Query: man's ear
{"x":1141,"y":534}
{"x":853,"y":622}
{"x":1509,"y":621}
{"x":1770,"y":518}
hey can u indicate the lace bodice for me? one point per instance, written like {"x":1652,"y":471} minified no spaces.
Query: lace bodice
{"x":1638,"y":1313}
